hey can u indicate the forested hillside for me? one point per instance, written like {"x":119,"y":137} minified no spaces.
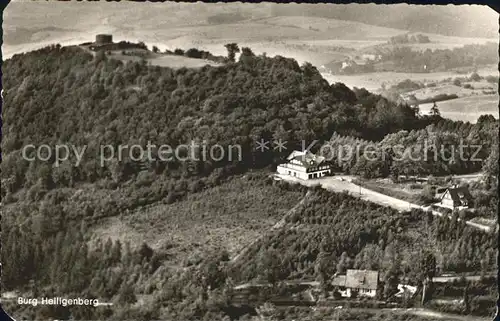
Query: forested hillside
{"x":64,"y":95}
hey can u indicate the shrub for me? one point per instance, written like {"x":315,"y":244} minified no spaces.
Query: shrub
{"x":492,"y":79}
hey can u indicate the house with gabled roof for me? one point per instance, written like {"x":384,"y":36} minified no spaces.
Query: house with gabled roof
{"x":304,"y":165}
{"x":456,"y":197}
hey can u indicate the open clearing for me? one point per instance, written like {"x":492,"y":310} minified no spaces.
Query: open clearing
{"x":164,"y":60}
{"x":224,"y":217}
{"x":466,"y":108}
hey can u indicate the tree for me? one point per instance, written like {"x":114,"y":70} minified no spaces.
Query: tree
{"x":435,"y":111}
{"x":232,"y":49}
{"x":466,"y":300}
{"x":126,"y":294}
{"x":145,"y":252}
{"x":490,"y":166}
{"x":344,"y":263}
{"x":100,"y":56}
{"x":247,"y":55}
{"x":178,"y":52}
{"x":475,"y":77}
{"x":427,"y":265}
{"x":269,"y":266}
{"x":155,"y":49}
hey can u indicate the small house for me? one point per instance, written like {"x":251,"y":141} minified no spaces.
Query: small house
{"x":454,"y":197}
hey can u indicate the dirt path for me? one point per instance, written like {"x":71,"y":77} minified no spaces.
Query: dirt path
{"x":276,"y":226}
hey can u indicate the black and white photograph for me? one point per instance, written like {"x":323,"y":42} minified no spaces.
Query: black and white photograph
{"x":240,"y":161}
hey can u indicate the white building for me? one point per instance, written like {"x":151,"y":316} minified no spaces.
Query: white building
{"x":304,"y":165}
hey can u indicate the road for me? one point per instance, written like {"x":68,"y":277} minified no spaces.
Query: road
{"x":445,"y":279}
{"x":344,"y":183}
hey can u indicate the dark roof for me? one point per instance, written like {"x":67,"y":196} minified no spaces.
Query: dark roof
{"x":459,"y":194}
{"x":362,"y":279}
{"x":307,"y":159}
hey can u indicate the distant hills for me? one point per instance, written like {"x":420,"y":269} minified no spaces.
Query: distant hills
{"x":461,"y":21}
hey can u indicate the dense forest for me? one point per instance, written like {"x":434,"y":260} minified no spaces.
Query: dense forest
{"x":64,"y":95}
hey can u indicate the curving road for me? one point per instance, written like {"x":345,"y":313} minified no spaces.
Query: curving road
{"x":343,"y":183}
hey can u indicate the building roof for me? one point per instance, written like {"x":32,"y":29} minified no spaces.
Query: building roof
{"x":362,"y":279}
{"x":459,"y":195}
{"x":339,"y":280}
{"x":306,"y":158}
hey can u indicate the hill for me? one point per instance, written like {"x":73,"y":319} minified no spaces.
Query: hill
{"x":89,"y":101}
{"x":463,"y":21}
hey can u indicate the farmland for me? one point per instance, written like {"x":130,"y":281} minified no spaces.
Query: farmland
{"x":373,"y":81}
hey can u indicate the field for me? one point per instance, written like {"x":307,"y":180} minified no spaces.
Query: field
{"x":373,"y":81}
{"x":164,"y":60}
{"x":225,"y":217}
{"x":466,"y":108}
{"x":450,"y":89}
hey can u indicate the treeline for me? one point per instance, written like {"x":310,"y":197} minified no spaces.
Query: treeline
{"x":197,"y":54}
{"x":409,"y":39}
{"x":223,"y":18}
{"x":405,"y":59}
